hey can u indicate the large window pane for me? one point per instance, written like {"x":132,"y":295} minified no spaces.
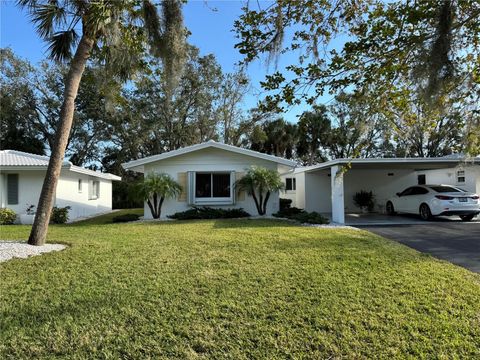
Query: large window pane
{"x":203,"y":186}
{"x":221,"y":185}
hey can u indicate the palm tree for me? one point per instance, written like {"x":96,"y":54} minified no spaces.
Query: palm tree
{"x":260,"y":182}
{"x":115,"y":32}
{"x":155,"y":188}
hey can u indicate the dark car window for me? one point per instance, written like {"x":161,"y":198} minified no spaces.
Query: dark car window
{"x":417,"y":190}
{"x":407,"y":191}
{"x":445,"y":189}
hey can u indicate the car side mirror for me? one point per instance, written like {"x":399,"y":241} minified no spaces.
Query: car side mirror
{"x":399,"y":194}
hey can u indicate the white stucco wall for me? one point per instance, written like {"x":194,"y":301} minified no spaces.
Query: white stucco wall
{"x":314,"y":188}
{"x":209,"y":159}
{"x":449,"y":177}
{"x":30,"y":185}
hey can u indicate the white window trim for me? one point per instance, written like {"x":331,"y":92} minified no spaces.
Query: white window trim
{"x":91,"y":195}
{"x":214,"y":200}
{"x":80,"y":185}
{"x":463,"y":175}
{"x":294,"y":185}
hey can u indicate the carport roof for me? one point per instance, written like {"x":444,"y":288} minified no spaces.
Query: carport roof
{"x":406,"y":163}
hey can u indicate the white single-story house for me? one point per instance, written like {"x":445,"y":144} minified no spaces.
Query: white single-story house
{"x":329,"y":187}
{"x":207,"y":173}
{"x":87,"y":192}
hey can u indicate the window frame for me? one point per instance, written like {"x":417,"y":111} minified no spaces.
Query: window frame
{"x":213,"y":200}
{"x":293,"y":183}
{"x":94,"y":191}
{"x":80,"y":186}
{"x":17,"y":177}
{"x":459,"y":176}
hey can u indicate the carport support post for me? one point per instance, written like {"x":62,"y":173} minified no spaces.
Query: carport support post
{"x":338,"y":206}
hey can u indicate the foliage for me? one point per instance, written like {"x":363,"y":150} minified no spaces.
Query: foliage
{"x":425,"y":47}
{"x":59,"y":215}
{"x":7,"y":216}
{"x":155,"y":188}
{"x":209,"y":213}
{"x":364,"y":200}
{"x":253,"y":279}
{"x":260,"y":182}
{"x":276,"y":137}
{"x":302,"y":216}
{"x":125,"y":218}
{"x":313,"y":135}
{"x":285,"y":203}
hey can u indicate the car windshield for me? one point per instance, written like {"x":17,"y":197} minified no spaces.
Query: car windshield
{"x":445,"y":189}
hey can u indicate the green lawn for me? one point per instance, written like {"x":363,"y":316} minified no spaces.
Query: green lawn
{"x":236,"y":289}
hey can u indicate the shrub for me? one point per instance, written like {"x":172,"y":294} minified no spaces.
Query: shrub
{"x":302,"y":216}
{"x":125,"y":218}
{"x":285,"y":204}
{"x":7,"y":216}
{"x":59,"y":215}
{"x":364,"y":200}
{"x":209,"y":213}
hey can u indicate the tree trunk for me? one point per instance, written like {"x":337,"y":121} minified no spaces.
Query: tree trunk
{"x":265,"y":201}
{"x":45,"y":204}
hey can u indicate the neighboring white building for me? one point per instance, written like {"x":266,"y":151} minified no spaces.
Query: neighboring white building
{"x":87,"y":192}
{"x":207,"y":172}
{"x":329,"y":187}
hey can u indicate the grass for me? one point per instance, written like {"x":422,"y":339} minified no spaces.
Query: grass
{"x":237,"y":289}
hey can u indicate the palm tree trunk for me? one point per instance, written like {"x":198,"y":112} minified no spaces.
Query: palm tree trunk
{"x":77,"y":66}
{"x":265,"y":201}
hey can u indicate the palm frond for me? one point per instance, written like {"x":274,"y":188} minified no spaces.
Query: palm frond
{"x":61,"y":43}
{"x":46,"y":17}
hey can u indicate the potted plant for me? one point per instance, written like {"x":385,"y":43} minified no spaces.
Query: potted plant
{"x":29,"y":216}
{"x":364,"y":200}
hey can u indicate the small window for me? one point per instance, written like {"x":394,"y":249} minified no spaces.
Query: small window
{"x":80,"y":185}
{"x":12,"y":189}
{"x":461,"y":176}
{"x":421,"y":179}
{"x":290,"y":184}
{"x":94,"y":190}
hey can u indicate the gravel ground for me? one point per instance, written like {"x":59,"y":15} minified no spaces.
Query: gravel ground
{"x":16,"y":249}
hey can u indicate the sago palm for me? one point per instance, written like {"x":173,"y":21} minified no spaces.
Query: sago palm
{"x":154,"y":189}
{"x":117,"y":33}
{"x":260,"y":182}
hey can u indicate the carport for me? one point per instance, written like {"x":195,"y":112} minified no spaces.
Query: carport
{"x":329,"y":187}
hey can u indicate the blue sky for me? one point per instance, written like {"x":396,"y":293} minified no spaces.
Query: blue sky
{"x":210,"y":22}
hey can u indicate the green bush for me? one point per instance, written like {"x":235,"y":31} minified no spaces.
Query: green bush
{"x":302,"y":216}
{"x":209,"y":213}
{"x":285,"y":204}
{"x":125,"y":218}
{"x":59,"y":215}
{"x":7,"y":216}
{"x":364,"y":199}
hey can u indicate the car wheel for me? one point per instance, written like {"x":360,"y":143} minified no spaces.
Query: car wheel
{"x":425,"y":212}
{"x":467,"y":217}
{"x":390,"y":209}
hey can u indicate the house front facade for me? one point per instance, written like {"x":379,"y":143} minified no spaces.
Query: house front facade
{"x":87,"y":192}
{"x":207,"y":173}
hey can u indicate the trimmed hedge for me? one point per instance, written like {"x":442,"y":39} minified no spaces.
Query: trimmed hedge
{"x":7,"y":216}
{"x":125,"y":218}
{"x":209,"y":213}
{"x":302,"y":216}
{"x":59,"y":215}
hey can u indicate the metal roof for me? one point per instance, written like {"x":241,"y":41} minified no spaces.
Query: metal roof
{"x":131,"y":165}
{"x":14,"y":159}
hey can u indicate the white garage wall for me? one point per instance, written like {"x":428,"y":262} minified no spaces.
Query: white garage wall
{"x":318,"y":191}
{"x":449,"y":177}
{"x":209,"y":159}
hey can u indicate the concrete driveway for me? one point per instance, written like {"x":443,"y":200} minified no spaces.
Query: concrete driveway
{"x":456,"y":242}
